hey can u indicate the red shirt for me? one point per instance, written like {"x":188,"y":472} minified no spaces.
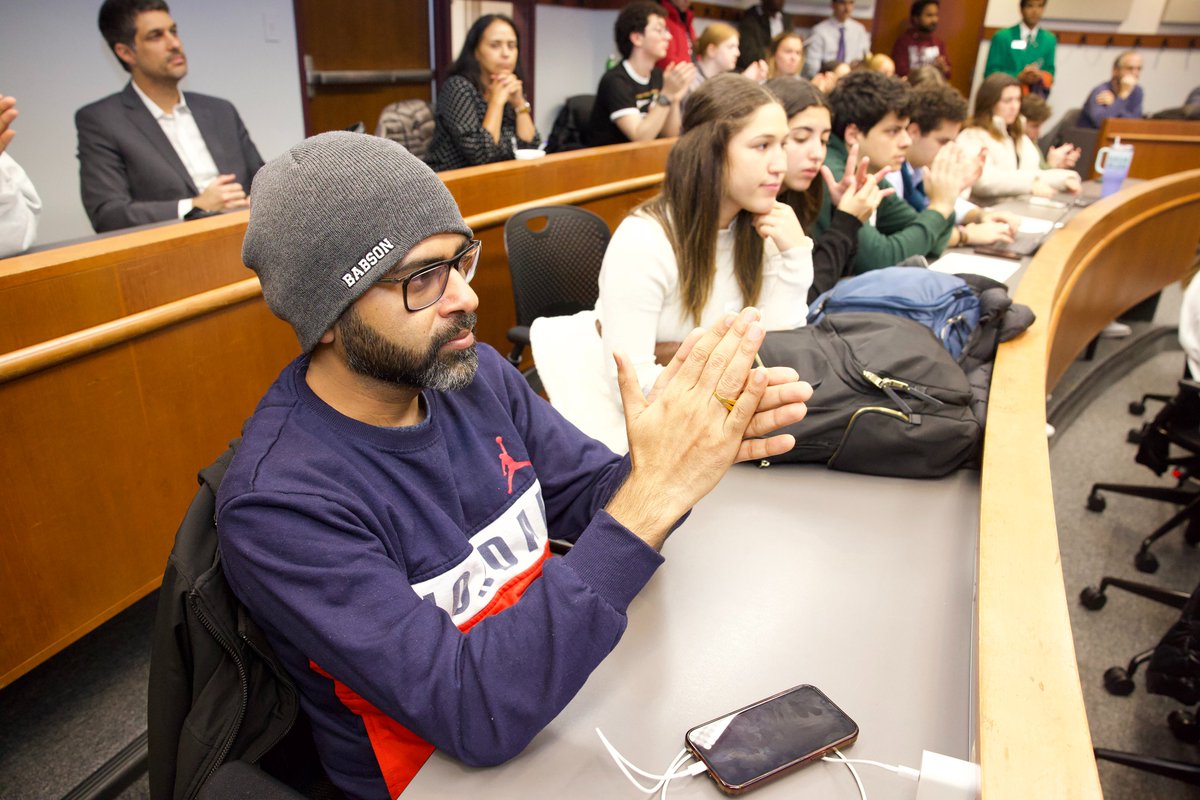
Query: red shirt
{"x":682,"y":35}
{"x":915,"y":48}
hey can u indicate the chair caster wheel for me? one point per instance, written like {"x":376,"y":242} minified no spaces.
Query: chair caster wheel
{"x":1145,"y":561}
{"x":1117,"y":681}
{"x":1183,"y":724}
{"x":1096,"y":503}
{"x":1092,"y":598}
{"x":1136,"y":408}
{"x":1133,"y":436}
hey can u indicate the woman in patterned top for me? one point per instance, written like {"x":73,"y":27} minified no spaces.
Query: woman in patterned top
{"x":482,"y":106}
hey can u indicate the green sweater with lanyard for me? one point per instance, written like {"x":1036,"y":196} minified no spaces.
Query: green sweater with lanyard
{"x":1009,"y":54}
{"x":898,"y":232}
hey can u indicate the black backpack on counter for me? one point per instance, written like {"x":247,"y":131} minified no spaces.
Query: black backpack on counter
{"x":887,"y":397}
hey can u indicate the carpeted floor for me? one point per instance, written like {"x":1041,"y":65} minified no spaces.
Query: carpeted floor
{"x":1093,"y":448}
{"x":63,"y":720}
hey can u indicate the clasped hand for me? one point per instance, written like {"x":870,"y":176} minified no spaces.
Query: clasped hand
{"x":682,"y":438}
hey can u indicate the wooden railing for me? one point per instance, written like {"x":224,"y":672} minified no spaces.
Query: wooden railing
{"x":126,"y":362}
{"x":1033,"y":738}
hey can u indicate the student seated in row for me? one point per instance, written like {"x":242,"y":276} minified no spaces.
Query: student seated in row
{"x":785,"y":57}
{"x":481,"y":109}
{"x":1012,"y":163}
{"x":1120,"y":97}
{"x":938,"y":112}
{"x":715,"y":239}
{"x":717,"y":52}
{"x":870,"y":118}
{"x":829,"y":73}
{"x":806,"y":182}
{"x":636,"y":101}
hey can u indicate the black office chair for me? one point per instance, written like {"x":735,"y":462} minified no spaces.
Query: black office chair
{"x":1119,"y":680}
{"x":1176,"y":425}
{"x":205,"y":647}
{"x":554,"y":255}
{"x":1168,"y":768}
{"x":1068,"y":131}
{"x":1174,"y":671}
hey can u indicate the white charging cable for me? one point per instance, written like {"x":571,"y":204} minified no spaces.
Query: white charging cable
{"x":674,"y":769}
{"x":906,"y":772}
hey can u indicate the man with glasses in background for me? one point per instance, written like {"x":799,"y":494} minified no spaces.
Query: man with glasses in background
{"x":399,"y":483}
{"x":1120,"y":97}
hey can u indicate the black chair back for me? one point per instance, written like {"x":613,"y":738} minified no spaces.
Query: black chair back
{"x":554,"y":255}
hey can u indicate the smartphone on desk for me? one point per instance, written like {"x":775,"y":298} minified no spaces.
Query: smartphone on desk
{"x":998,"y":252}
{"x":770,"y":738}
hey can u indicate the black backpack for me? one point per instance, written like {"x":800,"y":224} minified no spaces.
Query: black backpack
{"x":887,"y":397}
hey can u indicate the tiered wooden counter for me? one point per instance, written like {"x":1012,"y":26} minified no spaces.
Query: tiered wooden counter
{"x":1160,"y":146}
{"x":1033,"y":738}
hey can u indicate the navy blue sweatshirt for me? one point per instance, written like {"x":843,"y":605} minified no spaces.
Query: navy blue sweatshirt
{"x":367,"y":554}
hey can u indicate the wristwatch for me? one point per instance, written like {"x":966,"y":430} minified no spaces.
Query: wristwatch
{"x":525,"y":108}
{"x":662,"y":99}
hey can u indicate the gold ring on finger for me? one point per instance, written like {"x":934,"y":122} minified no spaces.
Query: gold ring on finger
{"x":725,"y":401}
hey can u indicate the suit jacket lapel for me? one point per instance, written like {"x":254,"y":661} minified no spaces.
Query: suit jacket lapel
{"x":148,"y":125}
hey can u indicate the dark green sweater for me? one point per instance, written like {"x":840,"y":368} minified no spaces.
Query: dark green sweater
{"x":899,"y":232}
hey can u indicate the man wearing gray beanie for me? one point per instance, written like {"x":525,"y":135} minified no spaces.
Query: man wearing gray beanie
{"x":399,"y":483}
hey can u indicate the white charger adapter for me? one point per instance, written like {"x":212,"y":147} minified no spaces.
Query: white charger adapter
{"x":947,"y":778}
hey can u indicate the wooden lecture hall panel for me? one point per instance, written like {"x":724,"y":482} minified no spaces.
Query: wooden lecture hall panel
{"x":1033,"y":737}
{"x":128,"y":361}
{"x":1160,"y":146}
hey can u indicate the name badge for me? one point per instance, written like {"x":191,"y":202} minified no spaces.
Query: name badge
{"x":1019,"y":44}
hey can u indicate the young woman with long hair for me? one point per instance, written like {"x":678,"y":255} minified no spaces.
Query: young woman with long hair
{"x":482,"y":108}
{"x":1013,"y":163}
{"x":715,"y":240}
{"x":804,"y":185}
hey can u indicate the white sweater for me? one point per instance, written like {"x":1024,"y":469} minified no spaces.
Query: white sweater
{"x":1007,"y":170}
{"x":640,"y":303}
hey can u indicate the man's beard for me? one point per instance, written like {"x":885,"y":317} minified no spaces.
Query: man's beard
{"x":368,"y":353}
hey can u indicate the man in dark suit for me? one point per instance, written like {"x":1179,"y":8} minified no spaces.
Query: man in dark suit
{"x":151,"y":152}
{"x":757,"y":27}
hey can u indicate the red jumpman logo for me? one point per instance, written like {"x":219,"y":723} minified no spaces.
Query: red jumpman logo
{"x":509,"y":467}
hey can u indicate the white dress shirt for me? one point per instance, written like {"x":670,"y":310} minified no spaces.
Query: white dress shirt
{"x":823,"y":44}
{"x":184,"y":136}
{"x":19,"y":207}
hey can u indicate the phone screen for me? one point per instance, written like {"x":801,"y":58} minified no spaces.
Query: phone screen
{"x":762,"y":740}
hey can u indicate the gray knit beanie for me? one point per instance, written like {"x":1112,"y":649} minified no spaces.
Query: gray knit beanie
{"x":331,"y":216}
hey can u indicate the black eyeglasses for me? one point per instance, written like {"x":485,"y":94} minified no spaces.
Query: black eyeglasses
{"x":426,"y":286}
